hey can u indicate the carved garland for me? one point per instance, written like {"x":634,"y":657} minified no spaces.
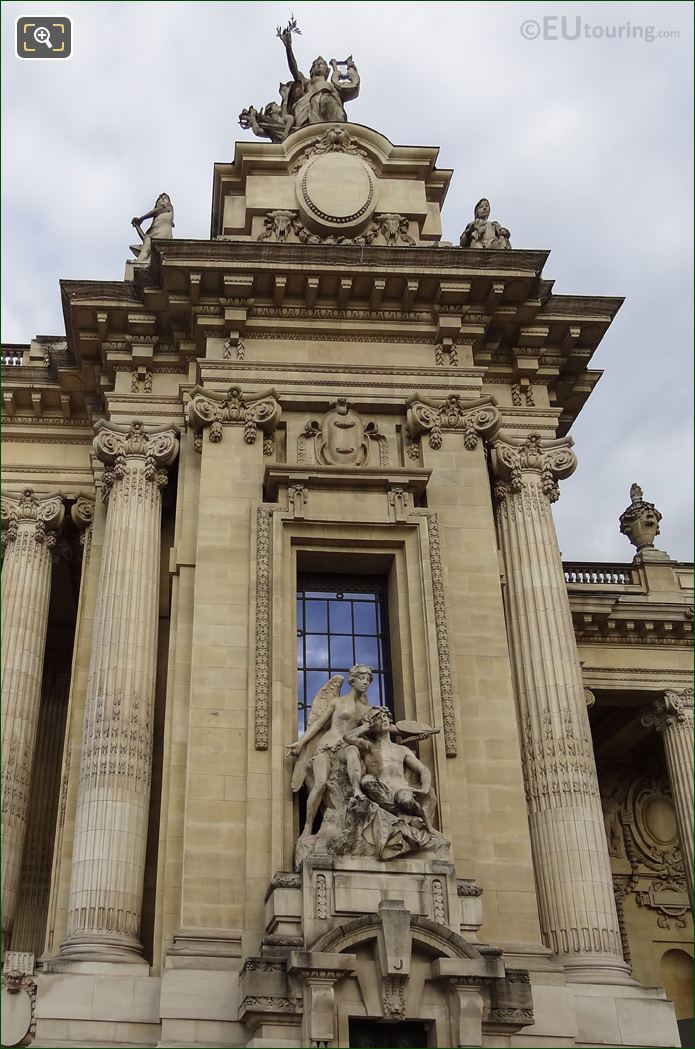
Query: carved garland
{"x":210,"y":409}
{"x":447,"y":692}
{"x":478,"y":418}
{"x":263,"y":624}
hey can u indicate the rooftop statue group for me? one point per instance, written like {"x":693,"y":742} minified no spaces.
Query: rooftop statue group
{"x":315,"y":99}
{"x":364,"y":780}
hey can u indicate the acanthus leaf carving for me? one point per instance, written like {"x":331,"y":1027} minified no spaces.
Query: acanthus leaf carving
{"x":545,"y":462}
{"x":476,"y":418}
{"x":37,"y":516}
{"x":209,"y":409}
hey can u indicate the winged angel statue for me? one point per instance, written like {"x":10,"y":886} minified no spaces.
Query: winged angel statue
{"x":363,"y":776}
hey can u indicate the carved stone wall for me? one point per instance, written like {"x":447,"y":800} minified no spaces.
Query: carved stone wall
{"x":646,"y":860}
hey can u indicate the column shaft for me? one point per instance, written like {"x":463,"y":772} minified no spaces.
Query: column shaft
{"x":26,"y":587}
{"x":113,"y":799}
{"x":673,"y":717}
{"x":572,"y":867}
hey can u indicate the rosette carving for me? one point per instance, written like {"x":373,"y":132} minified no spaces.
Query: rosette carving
{"x":254,"y":412}
{"x":547,"y":461}
{"x":476,"y":418}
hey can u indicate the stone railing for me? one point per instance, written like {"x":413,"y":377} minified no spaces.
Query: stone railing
{"x":599,"y":573}
{"x":10,"y":359}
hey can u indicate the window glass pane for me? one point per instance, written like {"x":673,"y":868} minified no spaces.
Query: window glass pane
{"x":341,"y":620}
{"x":365,"y":617}
{"x":367,"y":651}
{"x":314,"y":680}
{"x":340,"y":613}
{"x":341,"y":651}
{"x":316,"y":650}
{"x":317,"y":616}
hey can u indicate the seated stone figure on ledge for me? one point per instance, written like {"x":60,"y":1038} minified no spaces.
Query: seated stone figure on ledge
{"x":315,"y":99}
{"x":481,"y":233}
{"x":375,"y":794}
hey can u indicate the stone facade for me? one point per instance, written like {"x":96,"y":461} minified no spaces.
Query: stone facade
{"x":322,"y":387}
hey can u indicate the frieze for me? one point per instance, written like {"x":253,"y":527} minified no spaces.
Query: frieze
{"x":305,"y":336}
{"x":333,"y":313}
{"x":263,"y":965}
{"x":268,"y":1004}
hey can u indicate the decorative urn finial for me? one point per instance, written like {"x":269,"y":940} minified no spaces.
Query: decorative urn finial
{"x":640,"y":521}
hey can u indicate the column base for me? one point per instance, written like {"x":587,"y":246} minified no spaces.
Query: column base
{"x":588,"y":968}
{"x":101,"y":948}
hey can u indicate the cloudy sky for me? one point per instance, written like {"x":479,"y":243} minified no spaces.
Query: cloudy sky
{"x":583,"y":145}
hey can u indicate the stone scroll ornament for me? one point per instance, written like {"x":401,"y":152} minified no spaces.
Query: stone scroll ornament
{"x":365,"y":782}
{"x":209,"y":410}
{"x":314,"y":99}
{"x":476,"y":418}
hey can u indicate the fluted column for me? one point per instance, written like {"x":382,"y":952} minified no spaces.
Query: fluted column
{"x":672,"y":715}
{"x":29,"y":524}
{"x":108,"y":862}
{"x":571,"y":863}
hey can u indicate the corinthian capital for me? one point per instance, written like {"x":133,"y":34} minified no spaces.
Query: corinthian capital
{"x":117,"y":443}
{"x":550,"y":461}
{"x":475,"y":418}
{"x":254,"y":412}
{"x":40,"y":514}
{"x":118,"y":440}
{"x":672,"y":708}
